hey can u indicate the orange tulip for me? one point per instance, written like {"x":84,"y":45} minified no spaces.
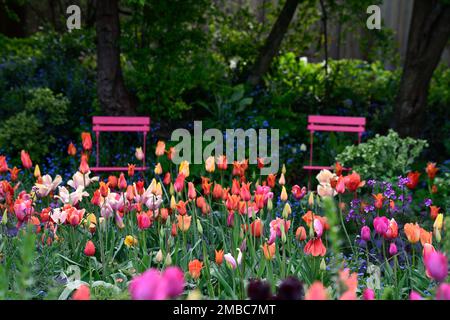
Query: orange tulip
{"x":300,"y":234}
{"x":256,"y":228}
{"x":222,"y":162}
{"x":160,"y":148}
{"x":71,"y":150}
{"x":195,"y":268}
{"x":86,"y":141}
{"x":217,"y":191}
{"x":308,"y":217}
{"x":170,"y":153}
{"x":3,"y":164}
{"x":84,"y":166}
{"x":316,"y":292}
{"x":14,"y":173}
{"x":26,"y":160}
{"x":412,"y":232}
{"x":378,"y":200}
{"x":219,"y":256}
{"x":271,"y":180}
{"x":353,"y":182}
{"x":269,"y":250}
{"x":338,"y":169}
{"x":431,"y":170}
{"x":131,"y":168}
{"x":206,"y":186}
{"x":184,"y":222}
{"x":425,"y":237}
{"x":413,"y":180}
{"x":434,"y":211}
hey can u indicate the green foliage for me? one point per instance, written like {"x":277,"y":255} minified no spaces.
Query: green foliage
{"x":382,"y":157}
{"x":34,"y":128}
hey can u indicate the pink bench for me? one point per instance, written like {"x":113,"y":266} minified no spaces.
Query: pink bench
{"x":334,"y":124}
{"x":119,"y":124}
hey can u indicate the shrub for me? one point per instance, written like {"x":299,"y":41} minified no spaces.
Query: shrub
{"x":382,"y":157}
{"x":36,"y":127}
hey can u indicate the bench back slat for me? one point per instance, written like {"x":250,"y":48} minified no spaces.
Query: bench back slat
{"x":131,"y":121}
{"x":314,"y":127}
{"x":337,"y":120}
{"x":121,"y":128}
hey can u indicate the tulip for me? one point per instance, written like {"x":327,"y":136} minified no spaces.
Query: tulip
{"x":113,"y":182}
{"x":3,"y":164}
{"x":284,"y":195}
{"x":122,"y":182}
{"x":443,"y":292}
{"x":82,"y":293}
{"x":287,"y":210}
{"x":84,"y":166}
{"x":184,"y":168}
{"x":71,"y":150}
{"x":436,"y":265}
{"x":86,"y":141}
{"x":438,"y":223}
{"x":131,"y":169}
{"x":89,"y":249}
{"x":340,"y":185}
{"x":217,"y":191}
{"x":298,"y":192}
{"x":392,"y":249}
{"x":269,"y":250}
{"x":256,"y":228}
{"x":195,"y":268}
{"x":378,"y":203}
{"x":434,"y":211}
{"x":381,"y":225}
{"x":413,"y":180}
{"x":222,"y":162}
{"x":431,"y":170}
{"x":415,"y":296}
{"x":149,"y":286}
{"x":412,"y":232}
{"x":315,"y":247}
{"x":192,"y":194}
{"x":245,"y":191}
{"x":271,"y":180}
{"x":158,"y":169}
{"x":206,"y":186}
{"x":300,"y":234}
{"x":210,"y":165}
{"x":365,"y":233}
{"x":174,"y":277}
{"x":160,"y":148}
{"x":167,"y":179}
{"x":368,"y":294}
{"x":179,"y":182}
{"x":316,"y":292}
{"x":353,"y":182}
{"x":282,"y":180}
{"x":37,"y":171}
{"x":219,"y":256}
{"x":139,"y":154}
{"x":26,"y":160}
{"x":425,"y":236}
{"x":143,"y":221}
{"x":184,"y":222}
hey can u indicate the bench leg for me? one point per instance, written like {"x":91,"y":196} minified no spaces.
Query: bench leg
{"x":97,"y":135}
{"x":311,"y":138}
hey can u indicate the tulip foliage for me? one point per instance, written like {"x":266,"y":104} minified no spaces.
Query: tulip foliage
{"x":233,"y":234}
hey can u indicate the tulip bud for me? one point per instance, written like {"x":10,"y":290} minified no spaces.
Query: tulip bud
{"x":173,"y":203}
{"x":283,"y":195}
{"x":311,"y":199}
{"x":158,"y":169}
{"x":286,"y":211}
{"x":269,"y":204}
{"x":168,"y":260}
{"x":283,"y":169}
{"x":438,"y":222}
{"x":199,"y":227}
{"x":323,"y":265}
{"x":171,"y":189}
{"x":37,"y":171}
{"x":5,"y":217}
{"x":282,"y":180}
{"x":159,"y":256}
{"x":437,"y":235}
{"x":392,"y":249}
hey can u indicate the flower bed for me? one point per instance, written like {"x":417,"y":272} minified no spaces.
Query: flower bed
{"x":233,"y":235}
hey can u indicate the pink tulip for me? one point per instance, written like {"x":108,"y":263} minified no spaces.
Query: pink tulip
{"x":443,"y":292}
{"x":175,"y":278}
{"x":365,"y":233}
{"x":368,"y":294}
{"x":149,"y":286}
{"x":436,"y":265}
{"x":381,"y":225}
{"x":392,"y":249}
{"x":415,"y":296}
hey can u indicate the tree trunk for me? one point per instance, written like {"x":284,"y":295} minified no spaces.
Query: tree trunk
{"x":112,"y":94}
{"x":428,"y":34}
{"x":273,"y":42}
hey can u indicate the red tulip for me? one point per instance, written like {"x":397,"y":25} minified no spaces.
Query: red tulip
{"x":89,"y":250}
